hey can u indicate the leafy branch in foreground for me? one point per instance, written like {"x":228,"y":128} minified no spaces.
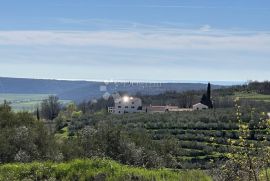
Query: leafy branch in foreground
{"x":247,"y":161}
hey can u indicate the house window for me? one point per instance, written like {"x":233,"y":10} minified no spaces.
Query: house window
{"x":139,"y":108}
{"x":126,"y":106}
{"x":119,"y":106}
{"x":119,"y":112}
{"x":132,"y":107}
{"x":132,"y":102}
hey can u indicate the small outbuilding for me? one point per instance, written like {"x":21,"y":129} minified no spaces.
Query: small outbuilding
{"x":161,"y":109}
{"x":199,"y":106}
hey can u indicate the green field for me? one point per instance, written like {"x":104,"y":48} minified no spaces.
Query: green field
{"x":253,"y":96}
{"x":94,"y":169}
{"x":25,"y":102}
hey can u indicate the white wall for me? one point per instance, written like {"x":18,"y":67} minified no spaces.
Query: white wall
{"x":199,"y":106}
{"x":127,"y":105}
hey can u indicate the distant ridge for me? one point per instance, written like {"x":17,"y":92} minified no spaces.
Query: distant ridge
{"x":85,"y":90}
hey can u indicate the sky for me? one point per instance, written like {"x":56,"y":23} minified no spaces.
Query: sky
{"x":142,"y":40}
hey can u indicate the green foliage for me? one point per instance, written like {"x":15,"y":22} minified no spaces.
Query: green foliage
{"x":259,"y":87}
{"x":100,"y":104}
{"x":23,"y":138}
{"x":50,"y":108}
{"x":251,"y":160}
{"x":94,"y":169}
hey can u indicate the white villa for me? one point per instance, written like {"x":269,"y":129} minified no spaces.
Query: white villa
{"x":126,"y":104}
{"x":199,"y":106}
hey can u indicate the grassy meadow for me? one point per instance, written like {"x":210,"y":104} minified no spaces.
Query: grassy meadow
{"x":94,"y":169}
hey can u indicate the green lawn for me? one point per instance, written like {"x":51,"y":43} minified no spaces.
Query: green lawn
{"x":25,"y":102}
{"x":94,"y":169}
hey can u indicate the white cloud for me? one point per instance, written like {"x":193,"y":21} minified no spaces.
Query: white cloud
{"x":160,"y":39}
{"x":149,"y":51}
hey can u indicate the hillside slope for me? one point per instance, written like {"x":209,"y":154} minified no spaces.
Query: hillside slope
{"x":85,"y":90}
{"x":37,"y":86}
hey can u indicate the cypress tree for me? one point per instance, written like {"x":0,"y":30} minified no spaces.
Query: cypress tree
{"x":209,"y":91}
{"x":38,"y":116}
{"x":206,"y":98}
{"x":209,"y":101}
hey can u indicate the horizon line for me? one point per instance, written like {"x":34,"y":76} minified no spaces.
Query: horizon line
{"x":224,"y":82}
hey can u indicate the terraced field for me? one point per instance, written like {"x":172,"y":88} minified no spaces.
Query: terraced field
{"x":203,"y":135}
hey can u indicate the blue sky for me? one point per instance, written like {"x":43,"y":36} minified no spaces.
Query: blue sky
{"x":150,"y":40}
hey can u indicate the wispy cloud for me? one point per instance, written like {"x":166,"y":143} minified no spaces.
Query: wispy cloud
{"x":176,"y":6}
{"x":162,"y":6}
{"x":138,"y":53}
{"x":163,"y":39}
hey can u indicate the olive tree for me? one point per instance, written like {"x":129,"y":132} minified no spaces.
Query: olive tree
{"x":50,"y":107}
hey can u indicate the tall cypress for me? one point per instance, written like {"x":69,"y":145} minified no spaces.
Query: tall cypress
{"x":209,"y":101}
{"x":209,"y":91}
{"x":206,"y":98}
{"x":38,"y":116}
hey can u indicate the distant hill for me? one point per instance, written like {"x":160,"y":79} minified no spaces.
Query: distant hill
{"x":85,"y":90}
{"x":37,"y":86}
